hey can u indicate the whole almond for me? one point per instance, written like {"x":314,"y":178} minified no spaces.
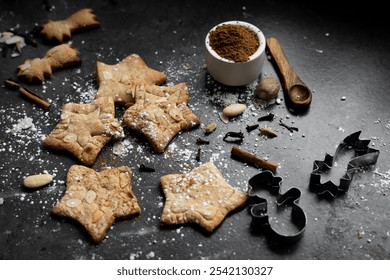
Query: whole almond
{"x":38,"y":180}
{"x":234,"y":109}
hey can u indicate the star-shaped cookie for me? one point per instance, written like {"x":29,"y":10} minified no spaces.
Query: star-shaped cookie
{"x":97,"y":199}
{"x":160,"y":118}
{"x":131,"y":70}
{"x":124,"y":94}
{"x":201,"y":196}
{"x":84,"y":129}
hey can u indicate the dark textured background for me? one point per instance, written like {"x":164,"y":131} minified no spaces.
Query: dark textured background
{"x":337,"y":49}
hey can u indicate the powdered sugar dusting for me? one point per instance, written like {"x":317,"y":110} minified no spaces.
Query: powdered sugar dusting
{"x":26,"y":129}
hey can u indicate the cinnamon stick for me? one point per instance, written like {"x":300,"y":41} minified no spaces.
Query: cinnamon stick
{"x":252,"y":159}
{"x":11,"y":84}
{"x":35,"y":98}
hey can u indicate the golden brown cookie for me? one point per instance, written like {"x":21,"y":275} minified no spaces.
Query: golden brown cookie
{"x":124,"y":95}
{"x":39,"y":69}
{"x":160,"y":118}
{"x":131,"y":70}
{"x":97,"y":199}
{"x":201,"y":196}
{"x":84,"y":129}
{"x":61,"y":30}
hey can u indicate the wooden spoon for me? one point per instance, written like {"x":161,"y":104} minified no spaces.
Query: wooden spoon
{"x":298,"y":93}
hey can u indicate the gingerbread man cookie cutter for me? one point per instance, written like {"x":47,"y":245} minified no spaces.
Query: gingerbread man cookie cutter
{"x":258,"y":207}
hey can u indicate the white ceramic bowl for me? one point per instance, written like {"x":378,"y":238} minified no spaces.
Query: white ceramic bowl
{"x":232,"y":73}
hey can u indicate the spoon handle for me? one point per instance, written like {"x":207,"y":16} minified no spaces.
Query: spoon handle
{"x":288,"y":74}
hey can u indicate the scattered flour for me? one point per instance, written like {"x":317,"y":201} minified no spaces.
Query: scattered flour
{"x":150,"y":255}
{"x":122,"y":148}
{"x":383,"y":185}
{"x":28,"y":131}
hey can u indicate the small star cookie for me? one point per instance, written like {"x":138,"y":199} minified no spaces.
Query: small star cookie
{"x":201,"y":196}
{"x":84,"y":129}
{"x":60,"y":30}
{"x":160,"y":118}
{"x":131,"y":69}
{"x":97,"y":199}
{"x":36,"y":70}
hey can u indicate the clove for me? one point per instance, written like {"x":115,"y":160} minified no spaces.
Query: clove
{"x":268,"y":117}
{"x":250,"y":128}
{"x":144,"y":168}
{"x":201,"y":141}
{"x":238,"y":135}
{"x":198,"y":155}
{"x":290,"y":128}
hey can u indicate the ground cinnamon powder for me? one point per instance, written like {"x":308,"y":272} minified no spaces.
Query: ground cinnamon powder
{"x":234,"y":42}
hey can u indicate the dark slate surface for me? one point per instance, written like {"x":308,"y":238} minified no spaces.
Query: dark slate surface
{"x":340,"y":51}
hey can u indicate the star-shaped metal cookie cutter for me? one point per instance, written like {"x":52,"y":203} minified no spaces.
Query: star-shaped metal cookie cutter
{"x":363,"y":157}
{"x":258,"y":206}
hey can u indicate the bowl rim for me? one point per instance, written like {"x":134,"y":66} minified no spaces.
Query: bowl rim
{"x":252,"y":27}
